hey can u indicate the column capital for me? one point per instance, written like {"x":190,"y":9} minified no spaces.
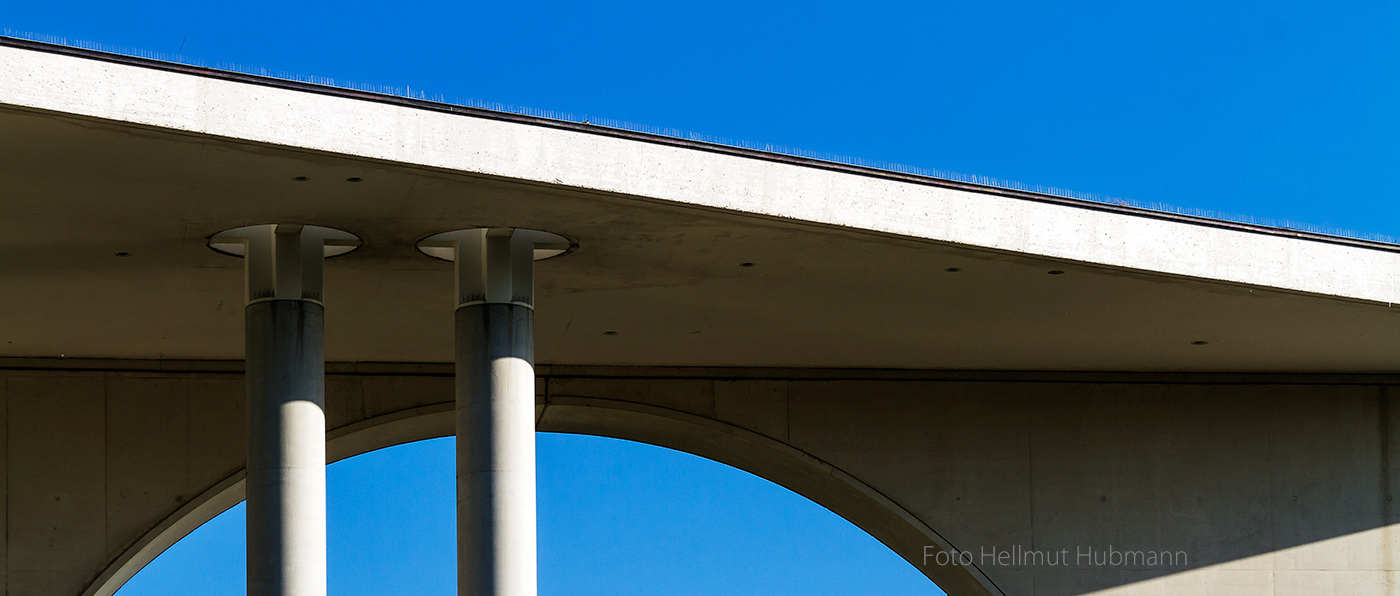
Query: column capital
{"x":283,"y":261}
{"x":495,"y":265}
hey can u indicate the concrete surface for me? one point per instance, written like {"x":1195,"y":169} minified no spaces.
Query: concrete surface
{"x":286,"y":424}
{"x":665,"y":275}
{"x":495,"y":389}
{"x":426,"y":138}
{"x":1268,"y":484}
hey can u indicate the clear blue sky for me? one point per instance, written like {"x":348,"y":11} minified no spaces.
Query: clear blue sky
{"x":615,"y":519}
{"x":1280,"y":110}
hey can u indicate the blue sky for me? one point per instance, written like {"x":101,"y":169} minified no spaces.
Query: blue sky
{"x":615,"y":519}
{"x":1279,"y":110}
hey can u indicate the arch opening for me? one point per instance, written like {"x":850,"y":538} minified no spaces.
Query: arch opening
{"x":705,"y":439}
{"x":616,"y":517}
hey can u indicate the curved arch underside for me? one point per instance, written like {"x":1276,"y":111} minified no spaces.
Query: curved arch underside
{"x":704,"y":437}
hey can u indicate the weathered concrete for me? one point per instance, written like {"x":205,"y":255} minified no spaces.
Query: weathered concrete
{"x":580,"y":158}
{"x":284,"y":340}
{"x":836,"y":283}
{"x":1268,"y":484}
{"x":496,"y":553}
{"x":286,"y":474}
{"x":495,"y":340}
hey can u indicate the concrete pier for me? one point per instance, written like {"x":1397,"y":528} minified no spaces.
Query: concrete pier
{"x":495,"y":450}
{"x":284,"y":323}
{"x":286,"y":448}
{"x":496,"y":552}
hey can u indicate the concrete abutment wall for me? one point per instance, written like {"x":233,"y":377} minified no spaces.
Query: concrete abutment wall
{"x":1267,"y":483}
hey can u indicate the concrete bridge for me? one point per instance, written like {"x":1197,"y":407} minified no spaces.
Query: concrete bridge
{"x":1005,"y":388}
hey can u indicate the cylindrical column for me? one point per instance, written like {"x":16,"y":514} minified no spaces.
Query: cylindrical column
{"x":495,"y":404}
{"x":284,"y":326}
{"x":286,"y":448}
{"x":495,"y":450}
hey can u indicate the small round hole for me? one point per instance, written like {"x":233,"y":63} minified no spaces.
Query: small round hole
{"x":123,"y":254}
{"x":746,"y":264}
{"x":354,"y":179}
{"x":1199,"y":342}
{"x":609,"y":333}
{"x":1055,"y":272}
{"x":301,"y":178}
{"x":953,"y":269}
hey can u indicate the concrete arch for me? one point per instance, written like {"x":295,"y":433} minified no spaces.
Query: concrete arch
{"x":746,"y":450}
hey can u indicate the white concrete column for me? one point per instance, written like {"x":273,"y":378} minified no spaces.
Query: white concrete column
{"x":495,"y":404}
{"x":284,"y":325}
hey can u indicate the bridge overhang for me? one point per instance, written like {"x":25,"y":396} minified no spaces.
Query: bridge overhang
{"x":105,"y":155}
